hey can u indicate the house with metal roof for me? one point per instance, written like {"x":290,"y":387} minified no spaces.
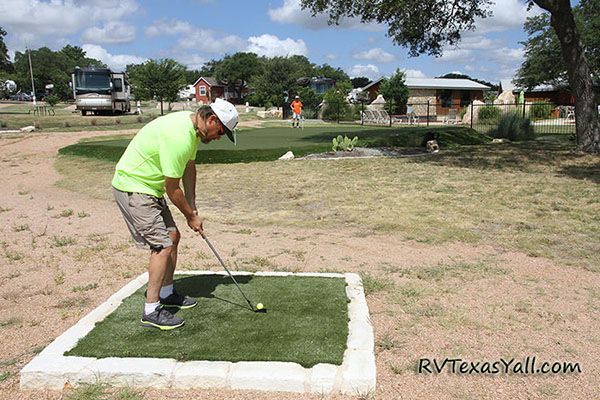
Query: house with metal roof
{"x":444,"y":93}
{"x":208,"y":88}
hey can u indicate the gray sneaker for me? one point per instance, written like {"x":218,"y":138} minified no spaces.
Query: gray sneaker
{"x":178,"y":300}
{"x":162,"y":319}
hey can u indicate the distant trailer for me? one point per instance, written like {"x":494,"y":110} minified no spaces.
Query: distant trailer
{"x":101,"y":91}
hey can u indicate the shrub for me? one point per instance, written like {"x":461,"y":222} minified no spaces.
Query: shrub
{"x":515,"y":128}
{"x":117,"y":121}
{"x":3,"y":124}
{"x":541,"y":110}
{"x":489,"y":113}
{"x":37,"y":125}
{"x":93,"y":121}
{"x":139,"y":118}
{"x":67,"y":124}
{"x":52,"y":100}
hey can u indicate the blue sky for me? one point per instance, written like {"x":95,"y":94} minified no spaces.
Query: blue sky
{"x":119,"y":32}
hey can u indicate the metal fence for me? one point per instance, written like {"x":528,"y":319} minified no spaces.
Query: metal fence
{"x":546,"y":118}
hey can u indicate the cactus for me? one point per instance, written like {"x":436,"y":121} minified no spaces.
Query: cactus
{"x":344,"y":143}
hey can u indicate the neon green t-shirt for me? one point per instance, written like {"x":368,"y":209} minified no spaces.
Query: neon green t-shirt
{"x":160,"y":149}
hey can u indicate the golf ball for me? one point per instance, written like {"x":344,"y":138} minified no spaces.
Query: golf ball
{"x":260,"y":306}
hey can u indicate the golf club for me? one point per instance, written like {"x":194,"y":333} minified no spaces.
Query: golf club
{"x":262,"y":310}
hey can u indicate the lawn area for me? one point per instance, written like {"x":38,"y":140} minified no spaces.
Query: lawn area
{"x":16,"y":116}
{"x":539,"y":197}
{"x":267,"y":144}
{"x":298,"y":327}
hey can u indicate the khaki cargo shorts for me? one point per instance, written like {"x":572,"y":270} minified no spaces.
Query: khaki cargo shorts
{"x":148,"y":218}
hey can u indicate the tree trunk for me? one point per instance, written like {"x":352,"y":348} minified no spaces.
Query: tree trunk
{"x":587,"y":122}
{"x":161,"y":106}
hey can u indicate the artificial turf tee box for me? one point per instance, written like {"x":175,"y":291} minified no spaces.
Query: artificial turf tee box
{"x":306,"y":323}
{"x":316,"y":337}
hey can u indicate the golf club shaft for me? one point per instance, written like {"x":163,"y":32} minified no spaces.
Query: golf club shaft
{"x":223,"y":265}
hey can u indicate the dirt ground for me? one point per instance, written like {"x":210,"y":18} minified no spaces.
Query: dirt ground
{"x":64,"y":253}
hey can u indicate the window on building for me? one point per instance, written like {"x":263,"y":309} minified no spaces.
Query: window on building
{"x":465,"y":98}
{"x":446,"y":98}
{"x":202,"y":90}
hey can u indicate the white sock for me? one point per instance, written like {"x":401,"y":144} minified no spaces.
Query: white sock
{"x":166,"y":291}
{"x":150,"y":307}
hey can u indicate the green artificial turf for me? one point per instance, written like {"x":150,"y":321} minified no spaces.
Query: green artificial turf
{"x":267,"y":144}
{"x":306,"y":323}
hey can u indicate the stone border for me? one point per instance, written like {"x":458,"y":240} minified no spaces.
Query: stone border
{"x":357,"y":374}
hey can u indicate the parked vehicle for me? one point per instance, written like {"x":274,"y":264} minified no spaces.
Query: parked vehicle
{"x":100,"y":90}
{"x":21,"y":96}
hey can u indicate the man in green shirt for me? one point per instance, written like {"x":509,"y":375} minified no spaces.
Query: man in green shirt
{"x":160,"y":155}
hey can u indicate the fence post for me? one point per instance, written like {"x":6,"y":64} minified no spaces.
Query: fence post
{"x":471,"y":114}
{"x":338,"y":112}
{"x":390,"y":113}
{"x":428,"y":112}
{"x":524,"y":108}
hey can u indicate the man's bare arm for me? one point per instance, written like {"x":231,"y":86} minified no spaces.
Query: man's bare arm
{"x":189,"y":183}
{"x":178,"y":198}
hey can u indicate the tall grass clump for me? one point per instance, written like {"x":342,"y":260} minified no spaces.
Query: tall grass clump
{"x":541,"y":110}
{"x":515,"y":128}
{"x":489,"y":113}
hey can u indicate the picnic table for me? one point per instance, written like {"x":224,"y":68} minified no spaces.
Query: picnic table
{"x":42,"y":110}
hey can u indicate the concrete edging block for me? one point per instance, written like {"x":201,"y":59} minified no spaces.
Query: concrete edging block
{"x":357,"y":375}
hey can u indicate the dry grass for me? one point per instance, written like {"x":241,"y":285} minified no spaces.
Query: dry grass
{"x":544,"y":202}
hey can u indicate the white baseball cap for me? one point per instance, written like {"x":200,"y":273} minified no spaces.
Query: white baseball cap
{"x":228,"y":116}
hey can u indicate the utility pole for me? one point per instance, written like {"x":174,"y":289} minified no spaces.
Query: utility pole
{"x":31,"y":73}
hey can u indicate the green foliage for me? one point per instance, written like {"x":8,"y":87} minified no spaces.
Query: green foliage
{"x":237,"y":69}
{"x":50,"y":66}
{"x":5,"y":64}
{"x":544,"y":63}
{"x":344,"y":143}
{"x":52,"y":100}
{"x":395,"y":92}
{"x":424,"y":26}
{"x":157,"y":79}
{"x":541,"y":110}
{"x":360,"y":81}
{"x":335,"y":105}
{"x":515,"y":128}
{"x":489,"y":113}
{"x":327,"y":71}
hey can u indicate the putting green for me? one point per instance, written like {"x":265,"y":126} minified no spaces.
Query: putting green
{"x":306,"y":323}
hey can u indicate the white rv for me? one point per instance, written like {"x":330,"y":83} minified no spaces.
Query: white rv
{"x":100,"y":90}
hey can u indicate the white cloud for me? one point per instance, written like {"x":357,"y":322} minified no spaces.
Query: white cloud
{"x":291,"y":13}
{"x":456,"y":55}
{"x":271,"y":46}
{"x":193,"y":62}
{"x":369,"y":70}
{"x":205,"y":40}
{"x":507,"y":55}
{"x":331,"y":56}
{"x":47,"y":23}
{"x":111,"y":32}
{"x":376,"y":54}
{"x":116,"y":62}
{"x":414,"y":73}
{"x":507,"y":14}
{"x":172,"y":27}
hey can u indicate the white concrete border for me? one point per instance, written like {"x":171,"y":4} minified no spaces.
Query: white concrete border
{"x":357,"y":374}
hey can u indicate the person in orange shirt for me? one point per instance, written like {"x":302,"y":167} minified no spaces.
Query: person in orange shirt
{"x":296,"y":107}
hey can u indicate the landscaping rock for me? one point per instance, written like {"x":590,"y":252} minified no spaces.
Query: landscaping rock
{"x":287,"y":156}
{"x":29,"y":128}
